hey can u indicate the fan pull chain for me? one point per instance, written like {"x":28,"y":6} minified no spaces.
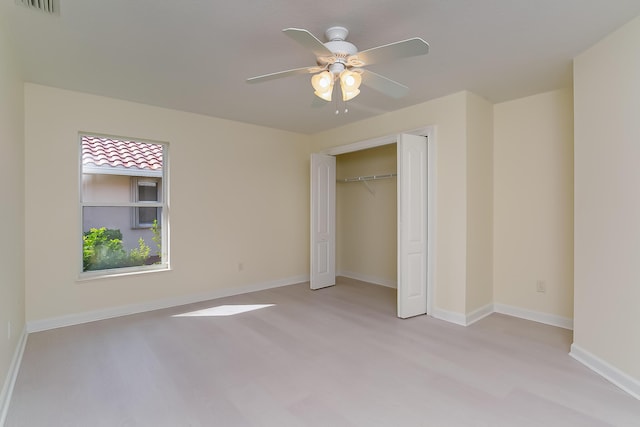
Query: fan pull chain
{"x":346,"y":110}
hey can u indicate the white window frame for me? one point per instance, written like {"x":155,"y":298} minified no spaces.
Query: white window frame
{"x":162,"y":203}
{"x":136,"y":181}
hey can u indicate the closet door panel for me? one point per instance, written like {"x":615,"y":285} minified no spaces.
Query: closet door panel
{"x":412,"y":225}
{"x":323,"y":221}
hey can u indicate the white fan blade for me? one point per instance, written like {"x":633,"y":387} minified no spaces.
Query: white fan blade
{"x":403,"y":49}
{"x":309,"y":41}
{"x":280,"y":74}
{"x":383,"y":84}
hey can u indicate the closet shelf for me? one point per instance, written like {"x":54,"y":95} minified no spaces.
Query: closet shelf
{"x":368,"y":178}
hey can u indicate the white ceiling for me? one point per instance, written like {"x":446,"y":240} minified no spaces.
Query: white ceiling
{"x":194,"y":55}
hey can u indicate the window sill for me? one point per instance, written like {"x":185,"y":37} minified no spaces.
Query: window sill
{"x":120,"y":272}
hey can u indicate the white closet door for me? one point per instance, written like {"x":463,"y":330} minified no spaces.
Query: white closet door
{"x":412,"y":225}
{"x":323,"y":221}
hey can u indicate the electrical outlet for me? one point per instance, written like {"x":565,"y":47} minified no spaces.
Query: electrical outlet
{"x":541,"y":286}
{"x":240,"y":266}
{"x":9,"y":330}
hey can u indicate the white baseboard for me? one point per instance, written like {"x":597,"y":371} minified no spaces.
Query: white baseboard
{"x":462,"y":319}
{"x":478,"y":314}
{"x":450,"y":316}
{"x":108,"y":313}
{"x":536,"y":316}
{"x":482,"y":312}
{"x":611,"y":373}
{"x":12,"y":375}
{"x":370,"y":279}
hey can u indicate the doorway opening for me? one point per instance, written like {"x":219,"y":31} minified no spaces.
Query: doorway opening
{"x":415,"y":218}
{"x":366,"y":215}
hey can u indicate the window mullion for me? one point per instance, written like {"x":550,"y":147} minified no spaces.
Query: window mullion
{"x":123,"y":205}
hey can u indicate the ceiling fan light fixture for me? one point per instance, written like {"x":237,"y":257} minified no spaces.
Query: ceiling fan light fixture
{"x":350,"y":84}
{"x":323,"y":85}
{"x":340,"y":59}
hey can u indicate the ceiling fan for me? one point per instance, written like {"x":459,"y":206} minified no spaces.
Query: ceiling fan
{"x":339,"y":60}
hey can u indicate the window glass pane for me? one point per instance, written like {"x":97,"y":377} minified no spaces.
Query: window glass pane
{"x":110,"y":241}
{"x":106,"y":188}
{"x":121,"y":172}
{"x":146,"y":216}
{"x":147,"y":191}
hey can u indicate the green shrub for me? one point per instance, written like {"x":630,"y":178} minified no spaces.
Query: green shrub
{"x":139,"y":255}
{"x":102,"y":249}
{"x":157,"y":236}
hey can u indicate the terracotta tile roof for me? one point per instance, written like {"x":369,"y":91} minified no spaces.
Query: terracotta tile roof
{"x":115,"y":153}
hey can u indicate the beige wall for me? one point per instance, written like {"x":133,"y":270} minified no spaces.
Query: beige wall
{"x":465,"y":263}
{"x":479,"y":203}
{"x":238,"y":194}
{"x":607,"y":200}
{"x":533,"y":202}
{"x":448,"y":115}
{"x":366,"y":221}
{"x":12,"y":305}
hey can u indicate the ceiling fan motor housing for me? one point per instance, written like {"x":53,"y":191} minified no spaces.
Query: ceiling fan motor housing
{"x":337,"y":43}
{"x":336,"y":33}
{"x":341,"y":47}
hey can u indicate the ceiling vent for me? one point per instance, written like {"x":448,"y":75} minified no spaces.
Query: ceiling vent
{"x":47,"y":6}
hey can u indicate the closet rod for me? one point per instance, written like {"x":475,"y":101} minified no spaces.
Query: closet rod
{"x":368,"y":178}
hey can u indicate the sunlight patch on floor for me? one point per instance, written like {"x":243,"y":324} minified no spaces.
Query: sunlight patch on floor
{"x":224,"y":310}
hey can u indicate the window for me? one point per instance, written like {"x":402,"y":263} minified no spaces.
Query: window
{"x":145,"y":190}
{"x":123,"y":204}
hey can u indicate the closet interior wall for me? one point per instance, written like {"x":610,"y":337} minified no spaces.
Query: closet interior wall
{"x":366,"y":216}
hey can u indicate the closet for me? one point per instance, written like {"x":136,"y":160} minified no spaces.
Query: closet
{"x":366,"y":215}
{"x":366,"y":237}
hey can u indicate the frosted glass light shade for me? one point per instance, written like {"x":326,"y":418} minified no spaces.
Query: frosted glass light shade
{"x":350,"y":84}
{"x":323,"y":85}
